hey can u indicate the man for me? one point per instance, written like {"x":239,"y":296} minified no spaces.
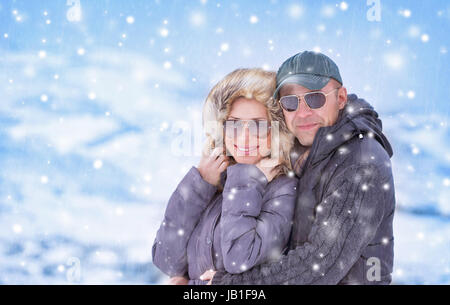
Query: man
{"x":342,"y":231}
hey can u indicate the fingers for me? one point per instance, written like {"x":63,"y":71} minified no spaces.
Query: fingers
{"x":223,"y":166}
{"x":172,"y":281}
{"x":178,"y":280}
{"x":216,"y":153}
{"x":218,"y":159}
{"x":208,"y":275}
{"x":221,"y":159}
{"x":208,"y":155}
{"x":210,"y":159}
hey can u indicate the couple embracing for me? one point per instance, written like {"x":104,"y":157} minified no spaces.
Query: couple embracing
{"x":294,"y":185}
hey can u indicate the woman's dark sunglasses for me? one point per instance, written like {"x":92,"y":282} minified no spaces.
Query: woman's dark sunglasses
{"x":257,"y":128}
{"x":314,"y":100}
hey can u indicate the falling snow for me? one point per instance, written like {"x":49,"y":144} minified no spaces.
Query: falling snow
{"x":96,"y":89}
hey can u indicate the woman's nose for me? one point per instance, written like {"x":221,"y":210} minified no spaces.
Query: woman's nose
{"x":244,"y":135}
{"x":303,"y":109}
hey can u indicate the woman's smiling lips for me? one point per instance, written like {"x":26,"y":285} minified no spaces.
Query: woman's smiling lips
{"x":246,"y":148}
{"x":306,"y":126}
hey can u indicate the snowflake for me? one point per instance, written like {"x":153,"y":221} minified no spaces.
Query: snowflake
{"x":343,"y":6}
{"x":17,"y":228}
{"x":446,"y":182}
{"x":164,"y":32}
{"x":253,"y":19}
{"x":98,"y":164}
{"x":405,"y":13}
{"x":197,"y":19}
{"x":328,"y":11}
{"x":411,"y":94}
{"x":393,"y":60}
{"x":295,"y":11}
{"x":224,"y":47}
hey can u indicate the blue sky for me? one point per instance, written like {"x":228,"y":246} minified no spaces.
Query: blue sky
{"x":89,"y":109}
{"x":389,"y":55}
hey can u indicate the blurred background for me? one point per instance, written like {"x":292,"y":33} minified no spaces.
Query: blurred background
{"x":93,"y":94}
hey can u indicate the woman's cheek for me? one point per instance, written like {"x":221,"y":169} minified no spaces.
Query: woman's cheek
{"x":264,"y":147}
{"x":229,"y":145}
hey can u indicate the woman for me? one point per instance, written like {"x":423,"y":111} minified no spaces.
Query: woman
{"x":235,"y":209}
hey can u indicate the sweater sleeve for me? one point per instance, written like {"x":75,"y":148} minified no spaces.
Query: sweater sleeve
{"x":182,"y":214}
{"x":255,"y":223}
{"x":345,"y":223}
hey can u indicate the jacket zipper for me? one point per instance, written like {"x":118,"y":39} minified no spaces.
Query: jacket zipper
{"x":211,"y":234}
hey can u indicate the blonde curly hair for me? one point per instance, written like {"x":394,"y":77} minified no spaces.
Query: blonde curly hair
{"x":255,"y":84}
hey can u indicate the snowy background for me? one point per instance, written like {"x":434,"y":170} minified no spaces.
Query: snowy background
{"x":93,"y":93}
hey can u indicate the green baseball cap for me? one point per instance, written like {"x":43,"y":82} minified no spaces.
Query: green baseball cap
{"x":312,"y":70}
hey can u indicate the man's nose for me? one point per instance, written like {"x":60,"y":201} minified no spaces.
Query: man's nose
{"x":303,"y":110}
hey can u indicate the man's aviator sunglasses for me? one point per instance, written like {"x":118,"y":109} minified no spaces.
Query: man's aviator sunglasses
{"x":314,"y":100}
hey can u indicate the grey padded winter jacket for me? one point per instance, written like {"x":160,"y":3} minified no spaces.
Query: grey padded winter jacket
{"x":234,"y":230}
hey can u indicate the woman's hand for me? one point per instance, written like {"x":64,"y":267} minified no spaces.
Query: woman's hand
{"x":266,"y":165}
{"x":178,"y":280}
{"x":210,"y":167}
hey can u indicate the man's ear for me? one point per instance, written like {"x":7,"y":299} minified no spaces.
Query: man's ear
{"x":342,"y":97}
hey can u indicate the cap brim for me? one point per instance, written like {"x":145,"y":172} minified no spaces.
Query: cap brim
{"x":310,"y":81}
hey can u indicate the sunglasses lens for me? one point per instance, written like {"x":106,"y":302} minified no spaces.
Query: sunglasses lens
{"x":233,"y":128}
{"x":289,"y":103}
{"x":263,"y":129}
{"x":315,"y":100}
{"x":230,"y":128}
